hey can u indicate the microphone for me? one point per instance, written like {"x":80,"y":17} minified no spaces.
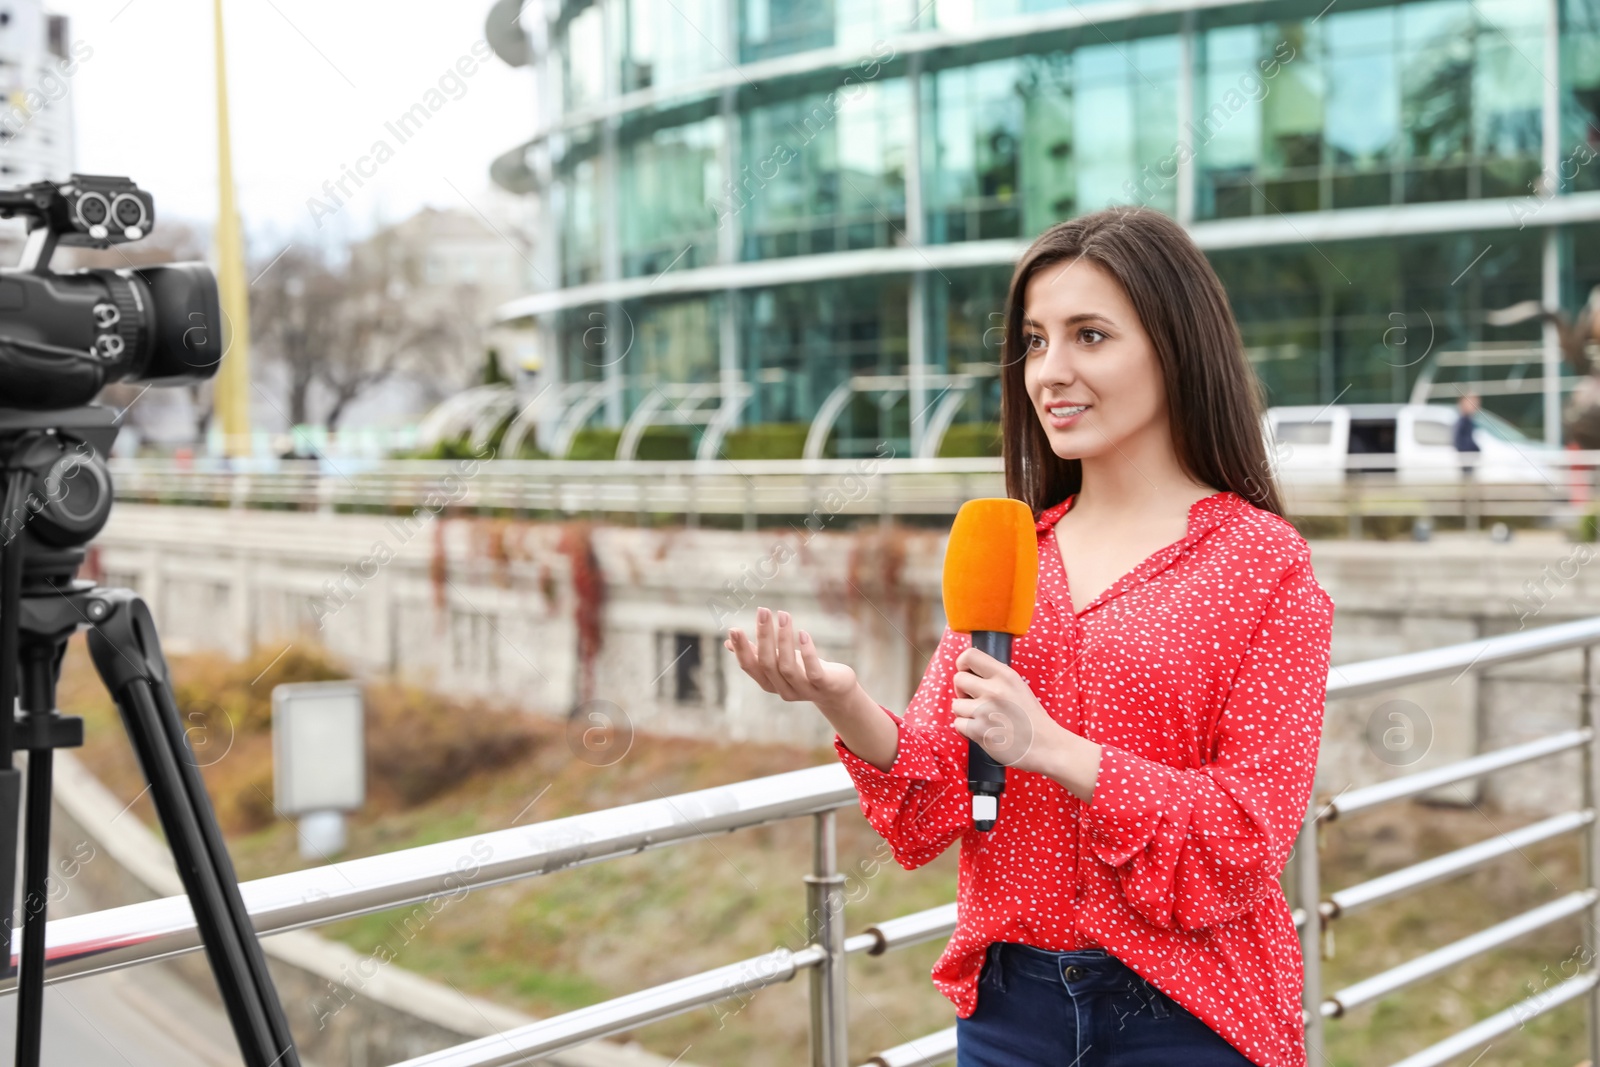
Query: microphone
{"x":991,"y":575}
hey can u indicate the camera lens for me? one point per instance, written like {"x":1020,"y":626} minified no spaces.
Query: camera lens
{"x":93,"y":209}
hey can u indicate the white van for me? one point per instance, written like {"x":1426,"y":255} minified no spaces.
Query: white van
{"x":1313,"y":442}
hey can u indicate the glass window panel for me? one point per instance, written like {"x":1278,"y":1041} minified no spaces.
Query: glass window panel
{"x":1227,"y":123}
{"x":1103,"y":115}
{"x":1514,"y":18}
{"x":964,"y":14}
{"x":973,"y":188}
{"x":1436,"y":41}
{"x":1226,"y":128}
{"x":782,"y":27}
{"x":825,"y":172}
{"x":1343,"y":318}
{"x":1154,"y":79}
{"x":801,"y":341}
{"x":666,"y":43}
{"x":1363,"y":112}
{"x":675,"y":342}
{"x":1580,"y":83}
{"x":584,"y":66}
{"x":863,"y":26}
{"x":669,"y":202}
{"x":1292,"y":90}
{"x":577,"y":206}
{"x":1048,"y":176}
{"x":1508,"y":98}
{"x":1016,"y":145}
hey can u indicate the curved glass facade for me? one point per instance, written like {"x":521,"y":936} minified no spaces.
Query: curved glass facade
{"x":847,"y":185}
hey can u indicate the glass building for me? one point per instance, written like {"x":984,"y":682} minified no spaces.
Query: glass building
{"x":789,"y":212}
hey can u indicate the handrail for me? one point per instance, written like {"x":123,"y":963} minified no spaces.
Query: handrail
{"x":1481,"y":1033}
{"x":1397,"y":883}
{"x":925,"y":1051}
{"x":1441,"y":959}
{"x":136,"y":933}
{"x":915,"y":485}
{"x":1377,"y":675}
{"x":120,"y":937}
{"x":549,"y":1036}
{"x":913,"y":929}
{"x":1411,"y":785}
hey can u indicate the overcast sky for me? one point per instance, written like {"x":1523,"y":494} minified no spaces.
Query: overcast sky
{"x":311,"y":84}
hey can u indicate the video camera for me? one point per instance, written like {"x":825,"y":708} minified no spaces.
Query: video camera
{"x":64,"y":336}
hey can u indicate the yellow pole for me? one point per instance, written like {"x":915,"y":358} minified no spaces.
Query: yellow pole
{"x":232,"y":390}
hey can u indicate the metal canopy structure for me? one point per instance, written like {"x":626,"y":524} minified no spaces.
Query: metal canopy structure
{"x":683,"y":404}
{"x":890,"y":388}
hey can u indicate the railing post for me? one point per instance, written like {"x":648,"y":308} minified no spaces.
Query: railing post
{"x":1308,"y":895}
{"x":825,"y":927}
{"x":1591,"y":844}
{"x":1472,"y":504}
{"x":1352,"y":504}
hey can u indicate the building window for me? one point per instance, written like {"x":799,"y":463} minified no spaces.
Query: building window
{"x":687,"y":671}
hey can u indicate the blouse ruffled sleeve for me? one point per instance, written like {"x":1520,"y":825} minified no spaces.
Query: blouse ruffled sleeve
{"x":920,"y":804}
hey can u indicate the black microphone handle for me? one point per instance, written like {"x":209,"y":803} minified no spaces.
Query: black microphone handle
{"x":986,"y":776}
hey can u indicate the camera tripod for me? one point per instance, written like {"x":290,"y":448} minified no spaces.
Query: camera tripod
{"x":57,"y":496}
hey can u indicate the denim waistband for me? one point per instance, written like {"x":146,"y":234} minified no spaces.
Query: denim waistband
{"x":1080,"y":970}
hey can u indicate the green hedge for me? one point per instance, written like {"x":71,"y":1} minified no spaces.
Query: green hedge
{"x":971,"y":439}
{"x":657,"y":442}
{"x":771,"y":440}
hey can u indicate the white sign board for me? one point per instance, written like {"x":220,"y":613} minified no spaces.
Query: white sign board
{"x":318,"y":747}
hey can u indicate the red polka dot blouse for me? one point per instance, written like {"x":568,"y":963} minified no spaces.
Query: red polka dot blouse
{"x":1203,"y":673}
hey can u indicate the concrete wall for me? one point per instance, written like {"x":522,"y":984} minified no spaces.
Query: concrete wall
{"x":516,"y":610}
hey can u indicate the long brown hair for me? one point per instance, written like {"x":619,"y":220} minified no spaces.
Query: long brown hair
{"x":1214,"y":400}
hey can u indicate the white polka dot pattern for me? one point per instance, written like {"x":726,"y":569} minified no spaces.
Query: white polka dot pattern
{"x":1202,"y":672}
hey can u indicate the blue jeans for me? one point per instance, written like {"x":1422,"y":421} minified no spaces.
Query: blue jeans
{"x":1038,"y":1008}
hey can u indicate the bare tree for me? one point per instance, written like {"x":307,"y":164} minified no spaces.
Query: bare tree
{"x":296,"y":307}
{"x":341,"y":331}
{"x":384,"y":330}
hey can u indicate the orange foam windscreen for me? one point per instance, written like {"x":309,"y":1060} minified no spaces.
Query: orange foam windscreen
{"x":991,"y":567}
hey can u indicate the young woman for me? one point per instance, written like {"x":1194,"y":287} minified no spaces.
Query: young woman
{"x":1125,"y":910}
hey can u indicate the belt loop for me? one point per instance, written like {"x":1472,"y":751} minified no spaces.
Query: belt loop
{"x":997,"y":958}
{"x":1160,"y":1007}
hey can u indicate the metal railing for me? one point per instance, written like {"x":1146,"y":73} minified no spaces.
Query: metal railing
{"x":1314,"y":914}
{"x":122,"y":937}
{"x":1553,"y":487}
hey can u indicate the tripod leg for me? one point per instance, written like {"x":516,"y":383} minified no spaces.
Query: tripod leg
{"x":10,"y":687}
{"x":127,"y":653}
{"x":38,"y":730}
{"x":35,"y":897}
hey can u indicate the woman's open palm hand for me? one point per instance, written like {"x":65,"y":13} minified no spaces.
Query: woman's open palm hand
{"x":784,"y":660}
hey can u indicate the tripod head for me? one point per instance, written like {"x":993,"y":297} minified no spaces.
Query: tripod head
{"x":59,"y":456}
